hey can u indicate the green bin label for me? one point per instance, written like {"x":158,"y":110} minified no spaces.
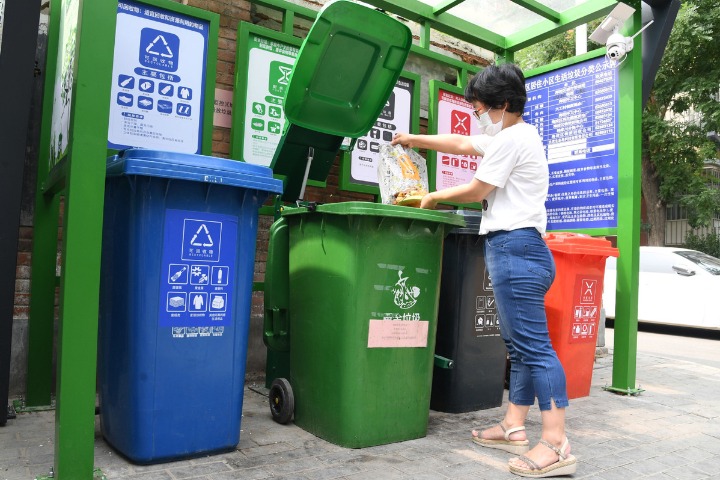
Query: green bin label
{"x":402,"y":329}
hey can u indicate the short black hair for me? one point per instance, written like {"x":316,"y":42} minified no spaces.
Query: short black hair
{"x":494,"y":85}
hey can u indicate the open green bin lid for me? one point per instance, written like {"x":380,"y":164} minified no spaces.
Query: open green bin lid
{"x":346,"y":69}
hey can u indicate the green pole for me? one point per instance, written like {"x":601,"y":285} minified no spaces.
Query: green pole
{"x":44,"y":249}
{"x":82,"y":241}
{"x":628,"y":239}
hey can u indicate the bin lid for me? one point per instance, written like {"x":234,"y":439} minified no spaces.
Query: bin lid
{"x":580,"y":244}
{"x":197,"y":168}
{"x":472,"y":222}
{"x":381,"y":210}
{"x":346,"y":69}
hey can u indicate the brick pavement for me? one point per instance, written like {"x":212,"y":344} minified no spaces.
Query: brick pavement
{"x":670,"y":431}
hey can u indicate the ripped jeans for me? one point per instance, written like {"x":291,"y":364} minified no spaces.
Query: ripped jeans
{"x":521,"y":268}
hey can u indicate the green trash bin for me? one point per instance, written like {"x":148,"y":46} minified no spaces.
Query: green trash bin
{"x":362,"y":288}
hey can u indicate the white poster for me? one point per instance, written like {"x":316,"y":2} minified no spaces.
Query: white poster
{"x":64,"y":81}
{"x":455,"y":115}
{"x":158,"y":87}
{"x":269,"y":66}
{"x":394,"y":118}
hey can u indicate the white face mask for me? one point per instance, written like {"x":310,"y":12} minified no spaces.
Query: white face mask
{"x":486,"y":125}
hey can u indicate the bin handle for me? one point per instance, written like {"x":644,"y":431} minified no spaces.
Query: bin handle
{"x":275,"y":331}
{"x":442,"y":362}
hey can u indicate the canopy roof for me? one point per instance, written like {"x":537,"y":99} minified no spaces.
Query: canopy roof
{"x":499,"y":25}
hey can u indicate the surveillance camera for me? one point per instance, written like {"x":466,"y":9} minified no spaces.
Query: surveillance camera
{"x":618,"y":46}
{"x":616,"y":51}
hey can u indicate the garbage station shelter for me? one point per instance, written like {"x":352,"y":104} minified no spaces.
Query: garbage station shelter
{"x":79,"y":72}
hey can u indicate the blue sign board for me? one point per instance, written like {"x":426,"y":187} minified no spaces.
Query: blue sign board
{"x":198,"y":270}
{"x":575,"y":110}
{"x":159,"y":70}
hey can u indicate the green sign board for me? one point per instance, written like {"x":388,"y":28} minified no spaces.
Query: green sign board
{"x":265,"y":60}
{"x":64,"y":82}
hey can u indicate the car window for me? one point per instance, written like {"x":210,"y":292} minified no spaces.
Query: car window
{"x":703,"y":260}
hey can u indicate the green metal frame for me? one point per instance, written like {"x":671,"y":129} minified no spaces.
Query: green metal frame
{"x":345,"y":179}
{"x":629,"y":218}
{"x":80,"y":178}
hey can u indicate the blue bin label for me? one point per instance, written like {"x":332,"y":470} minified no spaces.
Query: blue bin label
{"x":198,"y":270}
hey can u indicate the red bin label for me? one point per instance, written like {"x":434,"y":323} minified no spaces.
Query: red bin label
{"x":587,"y":298}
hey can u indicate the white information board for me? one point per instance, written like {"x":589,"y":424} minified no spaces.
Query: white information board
{"x":395,"y":117}
{"x":575,"y":110}
{"x":455,"y":115}
{"x":64,"y":81}
{"x":270,"y":63}
{"x":158,"y":86}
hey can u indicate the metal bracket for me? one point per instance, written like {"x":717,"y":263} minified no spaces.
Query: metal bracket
{"x":624,"y":391}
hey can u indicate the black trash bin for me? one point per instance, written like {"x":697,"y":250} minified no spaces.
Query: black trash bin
{"x":468,"y":331}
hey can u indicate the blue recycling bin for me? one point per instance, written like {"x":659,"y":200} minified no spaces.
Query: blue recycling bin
{"x":178,"y":259}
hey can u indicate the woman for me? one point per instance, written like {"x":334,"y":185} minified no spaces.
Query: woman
{"x":512,"y":183}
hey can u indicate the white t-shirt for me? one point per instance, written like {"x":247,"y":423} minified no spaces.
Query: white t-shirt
{"x":515,"y":163}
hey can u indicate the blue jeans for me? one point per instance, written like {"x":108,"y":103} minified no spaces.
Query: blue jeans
{"x":521,"y":270}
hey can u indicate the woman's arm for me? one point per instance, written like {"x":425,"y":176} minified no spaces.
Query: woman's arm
{"x":475,"y":191}
{"x":446,"y":143}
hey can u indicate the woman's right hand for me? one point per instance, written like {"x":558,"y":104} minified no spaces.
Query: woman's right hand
{"x":428,"y":202}
{"x":404,"y":139}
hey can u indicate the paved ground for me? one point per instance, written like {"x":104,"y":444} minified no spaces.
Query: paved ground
{"x":672,"y":430}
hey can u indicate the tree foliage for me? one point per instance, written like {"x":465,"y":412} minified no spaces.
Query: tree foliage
{"x":683,"y":107}
{"x":708,"y":243}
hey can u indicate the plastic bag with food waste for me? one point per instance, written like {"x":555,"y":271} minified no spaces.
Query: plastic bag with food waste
{"x":402,"y":176}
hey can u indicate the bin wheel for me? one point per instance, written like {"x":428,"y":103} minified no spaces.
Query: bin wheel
{"x":282,"y":401}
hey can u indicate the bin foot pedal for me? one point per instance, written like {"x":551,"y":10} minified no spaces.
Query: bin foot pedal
{"x":20,"y":407}
{"x":97,"y":475}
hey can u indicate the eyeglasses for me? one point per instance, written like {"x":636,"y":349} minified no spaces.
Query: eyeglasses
{"x":477,"y":115}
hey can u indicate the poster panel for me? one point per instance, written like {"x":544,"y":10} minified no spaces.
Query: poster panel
{"x":395,"y":117}
{"x":575,"y":110}
{"x":159,"y":73}
{"x":264,"y":64}
{"x":64,"y":81}
{"x":454,"y":115}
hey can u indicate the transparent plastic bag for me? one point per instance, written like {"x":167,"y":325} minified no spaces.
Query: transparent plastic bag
{"x":402,"y":176}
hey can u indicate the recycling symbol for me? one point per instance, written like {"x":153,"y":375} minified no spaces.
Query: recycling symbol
{"x":165,"y":51}
{"x":205,"y":241}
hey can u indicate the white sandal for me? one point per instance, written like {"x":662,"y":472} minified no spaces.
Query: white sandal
{"x":565,"y":465}
{"x":516,"y":447}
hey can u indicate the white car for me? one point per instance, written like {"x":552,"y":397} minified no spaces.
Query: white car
{"x":677,"y":287}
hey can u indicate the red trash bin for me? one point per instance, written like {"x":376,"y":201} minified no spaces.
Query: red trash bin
{"x":573,"y":304}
